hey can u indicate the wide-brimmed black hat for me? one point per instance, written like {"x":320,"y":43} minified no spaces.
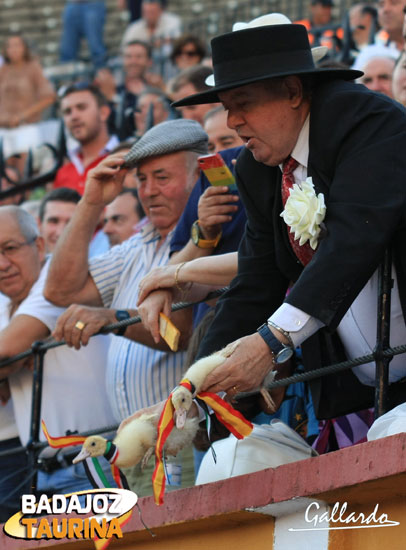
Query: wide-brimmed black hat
{"x":258,"y":53}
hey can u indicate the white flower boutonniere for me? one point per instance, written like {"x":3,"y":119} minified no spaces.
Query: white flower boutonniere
{"x":304,"y":211}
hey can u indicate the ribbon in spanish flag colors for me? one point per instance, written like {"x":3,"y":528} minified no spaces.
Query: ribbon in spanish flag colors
{"x":94,"y":472}
{"x":234,"y":421}
{"x":64,"y":441}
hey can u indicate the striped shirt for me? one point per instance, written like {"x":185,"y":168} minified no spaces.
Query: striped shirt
{"x":137,"y":376}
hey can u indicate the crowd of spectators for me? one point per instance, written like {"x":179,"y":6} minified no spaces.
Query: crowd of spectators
{"x":134,"y":240}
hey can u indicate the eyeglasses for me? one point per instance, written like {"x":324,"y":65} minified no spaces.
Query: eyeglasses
{"x":12,"y":249}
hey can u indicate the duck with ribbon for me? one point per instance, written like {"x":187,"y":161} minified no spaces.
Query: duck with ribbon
{"x":174,"y":414}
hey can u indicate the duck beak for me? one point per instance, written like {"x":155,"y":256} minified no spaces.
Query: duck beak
{"x":180,"y":418}
{"x":81,"y":456}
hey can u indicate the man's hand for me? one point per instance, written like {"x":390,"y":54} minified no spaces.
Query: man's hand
{"x":105,"y":181}
{"x":151,"y":307}
{"x":94,"y":318}
{"x":215,"y":208}
{"x":244,"y":370}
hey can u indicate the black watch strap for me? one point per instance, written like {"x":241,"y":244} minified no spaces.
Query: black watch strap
{"x":122,"y":314}
{"x":281,"y":353}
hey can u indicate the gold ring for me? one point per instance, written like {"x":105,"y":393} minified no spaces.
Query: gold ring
{"x":235,"y":389}
{"x":80,"y":325}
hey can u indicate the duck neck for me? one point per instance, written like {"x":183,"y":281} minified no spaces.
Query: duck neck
{"x":111,"y":453}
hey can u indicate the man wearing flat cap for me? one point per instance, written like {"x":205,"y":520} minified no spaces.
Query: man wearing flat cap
{"x":137,"y":376}
{"x":322,"y":179}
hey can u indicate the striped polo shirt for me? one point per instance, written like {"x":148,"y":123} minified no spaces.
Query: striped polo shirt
{"x":137,"y":376}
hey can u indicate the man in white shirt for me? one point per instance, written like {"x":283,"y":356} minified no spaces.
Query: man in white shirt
{"x":156,"y":25}
{"x":74,"y":396}
{"x":141,"y":371}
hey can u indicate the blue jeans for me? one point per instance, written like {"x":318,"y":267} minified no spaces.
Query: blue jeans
{"x":84,"y":19}
{"x":14,"y":469}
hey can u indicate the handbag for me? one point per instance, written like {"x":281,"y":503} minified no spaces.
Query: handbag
{"x":268,"y":446}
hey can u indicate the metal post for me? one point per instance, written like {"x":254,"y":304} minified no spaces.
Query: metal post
{"x":385,"y":284}
{"x":39,"y":354}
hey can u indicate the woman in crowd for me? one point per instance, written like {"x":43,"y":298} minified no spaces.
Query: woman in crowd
{"x":24,"y":90}
{"x":188,"y":50}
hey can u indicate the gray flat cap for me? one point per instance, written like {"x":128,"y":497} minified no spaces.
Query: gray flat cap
{"x":168,"y":137}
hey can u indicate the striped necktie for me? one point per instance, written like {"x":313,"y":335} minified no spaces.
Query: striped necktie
{"x":304,"y":252}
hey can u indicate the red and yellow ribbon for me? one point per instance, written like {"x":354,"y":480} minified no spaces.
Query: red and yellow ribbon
{"x":64,"y":441}
{"x":234,"y":421}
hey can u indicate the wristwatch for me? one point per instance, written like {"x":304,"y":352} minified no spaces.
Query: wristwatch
{"x":281,"y":353}
{"x":122,"y":314}
{"x":198,"y":238}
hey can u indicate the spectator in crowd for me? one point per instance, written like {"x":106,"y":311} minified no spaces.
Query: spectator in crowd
{"x":153,"y":107}
{"x":84,"y":20}
{"x":220,"y":135}
{"x":188,"y":50}
{"x":156,"y":25}
{"x":158,"y":28}
{"x":188,"y":82}
{"x":85,"y":113}
{"x":55,"y":212}
{"x":206,"y":203}
{"x":377,"y":63}
{"x":320,"y":16}
{"x":74,"y":395}
{"x":137,"y":62}
{"x":390,"y":17}
{"x":166,"y":160}
{"x":13,"y":177}
{"x":399,"y":80}
{"x":363,"y":22}
{"x":24,"y":91}
{"x":347,"y":254}
{"x":122,"y":216}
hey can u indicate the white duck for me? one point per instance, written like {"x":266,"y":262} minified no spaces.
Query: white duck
{"x":136,"y":441}
{"x":182,"y":398}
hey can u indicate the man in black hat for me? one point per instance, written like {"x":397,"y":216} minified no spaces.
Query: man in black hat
{"x":322,"y":181}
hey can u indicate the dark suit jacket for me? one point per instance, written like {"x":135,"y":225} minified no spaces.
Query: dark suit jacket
{"x":357,"y":158}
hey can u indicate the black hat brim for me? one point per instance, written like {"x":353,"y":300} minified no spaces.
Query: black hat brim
{"x":211,"y":96}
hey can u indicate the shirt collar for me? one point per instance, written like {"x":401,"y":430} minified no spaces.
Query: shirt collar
{"x":149,"y":233}
{"x":301,"y":149}
{"x":109,"y":146}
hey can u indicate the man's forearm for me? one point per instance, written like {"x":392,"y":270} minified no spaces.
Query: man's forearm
{"x":68,"y":272}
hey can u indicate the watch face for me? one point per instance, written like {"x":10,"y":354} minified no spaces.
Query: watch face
{"x":122,"y":314}
{"x":284,"y":355}
{"x":194,"y":233}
